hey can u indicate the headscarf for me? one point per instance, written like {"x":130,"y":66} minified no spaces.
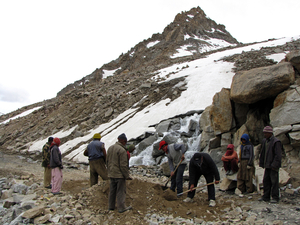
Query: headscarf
{"x":246,"y":137}
{"x":230,"y":150}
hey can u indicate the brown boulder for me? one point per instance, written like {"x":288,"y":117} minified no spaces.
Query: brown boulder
{"x":261,"y":83}
{"x":221,"y":112}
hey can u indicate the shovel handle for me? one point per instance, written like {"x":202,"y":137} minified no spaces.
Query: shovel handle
{"x":174,"y":172}
{"x":195,"y":188}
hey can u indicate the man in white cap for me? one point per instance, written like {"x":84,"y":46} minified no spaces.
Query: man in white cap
{"x":270,"y":160}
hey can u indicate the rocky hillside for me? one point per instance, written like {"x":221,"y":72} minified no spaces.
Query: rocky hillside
{"x":262,"y":92}
{"x":92,"y":100}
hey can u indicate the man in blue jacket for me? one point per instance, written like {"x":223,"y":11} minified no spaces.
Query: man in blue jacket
{"x":97,"y":157}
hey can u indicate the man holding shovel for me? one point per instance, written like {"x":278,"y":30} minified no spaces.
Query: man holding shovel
{"x":177,"y":163}
{"x":202,"y":164}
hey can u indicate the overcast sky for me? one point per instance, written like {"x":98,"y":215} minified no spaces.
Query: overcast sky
{"x":45,"y":45}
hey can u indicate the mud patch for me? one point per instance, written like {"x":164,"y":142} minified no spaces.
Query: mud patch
{"x":169,"y":195}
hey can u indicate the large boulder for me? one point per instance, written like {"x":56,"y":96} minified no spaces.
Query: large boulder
{"x":261,"y":83}
{"x":286,"y":108}
{"x":294,"y":58}
{"x":206,"y":127}
{"x":295,"y":139}
{"x":221,"y":112}
{"x":146,"y":143}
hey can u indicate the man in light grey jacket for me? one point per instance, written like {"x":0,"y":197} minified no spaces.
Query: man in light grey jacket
{"x":118,"y":172}
{"x":176,"y":159}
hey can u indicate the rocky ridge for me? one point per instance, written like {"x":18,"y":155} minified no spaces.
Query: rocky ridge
{"x":192,"y":29}
{"x":92,"y":100}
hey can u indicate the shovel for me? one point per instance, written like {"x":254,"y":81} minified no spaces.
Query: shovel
{"x":195,"y":188}
{"x":165,"y":187}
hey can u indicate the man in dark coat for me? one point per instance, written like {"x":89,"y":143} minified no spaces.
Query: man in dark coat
{"x":202,"y":164}
{"x":46,"y":163}
{"x":118,"y":172}
{"x":270,"y":160}
{"x":97,"y":157}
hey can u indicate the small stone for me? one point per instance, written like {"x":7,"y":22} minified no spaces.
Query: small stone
{"x":198,"y":221}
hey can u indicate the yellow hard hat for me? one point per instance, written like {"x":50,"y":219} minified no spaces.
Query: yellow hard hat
{"x":97,"y":136}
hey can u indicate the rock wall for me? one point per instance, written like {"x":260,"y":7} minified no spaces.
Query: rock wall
{"x":258,"y":97}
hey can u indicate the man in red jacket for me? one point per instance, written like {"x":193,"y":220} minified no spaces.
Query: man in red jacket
{"x":230,"y":160}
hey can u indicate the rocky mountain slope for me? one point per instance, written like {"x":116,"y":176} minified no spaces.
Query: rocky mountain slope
{"x":133,"y":82}
{"x":92,"y":100}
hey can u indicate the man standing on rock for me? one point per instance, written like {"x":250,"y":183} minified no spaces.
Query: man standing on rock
{"x":203,"y":164}
{"x":97,"y":157}
{"x":118,"y":172}
{"x":270,"y":159}
{"x":46,"y":163}
{"x":176,"y":159}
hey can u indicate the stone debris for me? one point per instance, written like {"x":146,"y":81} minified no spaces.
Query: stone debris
{"x":42,"y":207}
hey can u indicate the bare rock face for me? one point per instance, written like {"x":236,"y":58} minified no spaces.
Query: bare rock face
{"x":206,"y":126}
{"x":261,"y":83}
{"x":294,"y":58}
{"x":287,"y":107}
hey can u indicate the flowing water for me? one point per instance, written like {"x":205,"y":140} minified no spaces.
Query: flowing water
{"x":193,"y":142}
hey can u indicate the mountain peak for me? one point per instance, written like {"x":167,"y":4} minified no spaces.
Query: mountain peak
{"x":190,"y":36}
{"x":195,"y":23}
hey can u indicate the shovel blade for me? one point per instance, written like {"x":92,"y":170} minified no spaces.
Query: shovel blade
{"x":164,"y":187}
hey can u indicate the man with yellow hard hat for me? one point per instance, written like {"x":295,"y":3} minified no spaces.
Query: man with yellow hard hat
{"x":97,"y":157}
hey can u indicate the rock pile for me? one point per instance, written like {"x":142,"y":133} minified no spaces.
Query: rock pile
{"x":25,"y":201}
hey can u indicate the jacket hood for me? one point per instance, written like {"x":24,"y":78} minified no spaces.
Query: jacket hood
{"x":246,"y":137}
{"x":230,"y":146}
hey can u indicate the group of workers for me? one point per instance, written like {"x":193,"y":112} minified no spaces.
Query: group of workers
{"x":202,"y":164}
{"x":113,"y":165}
{"x":270,"y":159}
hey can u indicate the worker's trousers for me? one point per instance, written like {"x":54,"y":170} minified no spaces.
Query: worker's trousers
{"x":271,"y":184}
{"x":97,"y":168}
{"x":210,"y":188}
{"x":47,"y":176}
{"x":117,"y":190}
